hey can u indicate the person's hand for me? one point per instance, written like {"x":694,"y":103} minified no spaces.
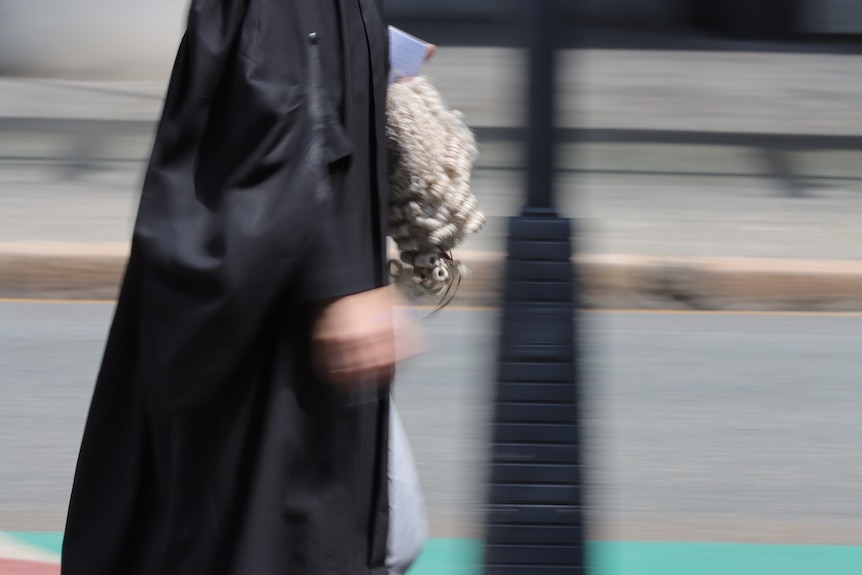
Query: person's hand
{"x":358,"y":339}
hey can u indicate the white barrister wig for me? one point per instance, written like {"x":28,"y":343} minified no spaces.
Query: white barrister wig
{"x":432,"y":152}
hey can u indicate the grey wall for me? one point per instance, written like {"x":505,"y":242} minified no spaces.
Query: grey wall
{"x":832,"y":16}
{"x":653,"y":11}
{"x":90,"y":38}
{"x":137,"y":39}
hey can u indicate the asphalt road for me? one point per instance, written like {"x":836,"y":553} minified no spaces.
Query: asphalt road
{"x":711,"y":427}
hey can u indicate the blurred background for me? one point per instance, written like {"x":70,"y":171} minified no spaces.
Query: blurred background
{"x":711,"y":156}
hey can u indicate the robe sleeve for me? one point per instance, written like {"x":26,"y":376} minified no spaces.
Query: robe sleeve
{"x":350,"y":254}
{"x":330,"y":270}
{"x":229,"y":207}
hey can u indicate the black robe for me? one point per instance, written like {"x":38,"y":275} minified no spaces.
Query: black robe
{"x":211,"y":447}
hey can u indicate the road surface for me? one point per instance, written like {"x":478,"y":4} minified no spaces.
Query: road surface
{"x":701,"y":427}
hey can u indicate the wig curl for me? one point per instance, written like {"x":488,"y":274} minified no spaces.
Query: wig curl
{"x":432,"y":209}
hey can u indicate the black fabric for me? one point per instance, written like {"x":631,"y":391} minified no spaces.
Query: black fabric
{"x":210,"y":447}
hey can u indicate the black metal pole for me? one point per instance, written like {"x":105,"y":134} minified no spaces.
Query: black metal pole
{"x":543,"y":23}
{"x":535,"y":520}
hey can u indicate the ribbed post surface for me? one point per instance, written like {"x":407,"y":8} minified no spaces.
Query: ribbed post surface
{"x":535,"y":519}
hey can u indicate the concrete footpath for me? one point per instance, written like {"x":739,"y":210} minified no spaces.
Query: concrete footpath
{"x":707,"y":180}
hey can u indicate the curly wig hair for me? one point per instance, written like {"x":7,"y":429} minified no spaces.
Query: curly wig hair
{"x":432,"y":152}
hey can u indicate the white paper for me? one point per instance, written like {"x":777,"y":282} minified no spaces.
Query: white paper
{"x":406,"y":54}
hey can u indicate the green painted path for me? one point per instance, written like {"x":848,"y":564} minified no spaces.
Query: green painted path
{"x":463,"y":556}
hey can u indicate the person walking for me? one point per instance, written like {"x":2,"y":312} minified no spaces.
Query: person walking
{"x":239,"y":420}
